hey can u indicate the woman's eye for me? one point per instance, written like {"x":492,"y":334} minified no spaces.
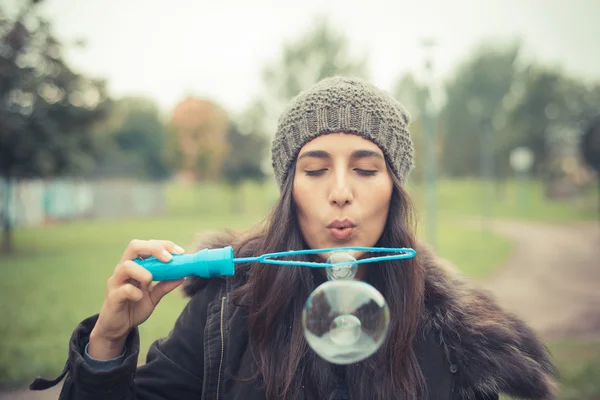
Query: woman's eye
{"x":366,"y":172}
{"x":315,"y":172}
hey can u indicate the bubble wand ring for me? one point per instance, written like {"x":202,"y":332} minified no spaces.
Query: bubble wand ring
{"x":269,"y":258}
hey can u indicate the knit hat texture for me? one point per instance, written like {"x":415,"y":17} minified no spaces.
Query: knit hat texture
{"x":344,"y":105}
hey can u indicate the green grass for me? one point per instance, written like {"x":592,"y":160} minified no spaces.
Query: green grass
{"x":58,"y":275}
{"x":579,"y":363}
{"x":466,"y":198}
{"x":477,"y":253}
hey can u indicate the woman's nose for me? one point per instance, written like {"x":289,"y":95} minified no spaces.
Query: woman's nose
{"x":341,"y":191}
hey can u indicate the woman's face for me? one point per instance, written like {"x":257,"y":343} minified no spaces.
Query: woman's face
{"x":342,"y":191}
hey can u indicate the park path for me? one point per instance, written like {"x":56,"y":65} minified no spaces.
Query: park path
{"x":552,"y":281}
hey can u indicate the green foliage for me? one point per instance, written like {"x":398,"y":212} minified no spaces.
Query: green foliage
{"x":545,"y":99}
{"x":172,"y":152}
{"x":138,"y":136}
{"x":413,"y":96}
{"x":248,"y":147}
{"x":319,"y":53}
{"x":49,"y":110}
{"x":590,"y":150}
{"x":474,"y":101}
{"x":246,"y":155}
{"x":521,"y":103}
{"x":590,"y":145}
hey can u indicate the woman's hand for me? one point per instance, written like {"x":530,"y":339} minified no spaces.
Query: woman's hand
{"x":130,"y":297}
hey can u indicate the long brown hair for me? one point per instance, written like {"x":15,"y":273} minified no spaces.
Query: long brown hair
{"x":275,"y":297}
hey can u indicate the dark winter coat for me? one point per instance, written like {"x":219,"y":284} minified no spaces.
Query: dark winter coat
{"x":472,"y":349}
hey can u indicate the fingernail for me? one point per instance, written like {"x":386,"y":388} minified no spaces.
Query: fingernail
{"x":179,"y":250}
{"x":167,"y":255}
{"x":150,"y":287}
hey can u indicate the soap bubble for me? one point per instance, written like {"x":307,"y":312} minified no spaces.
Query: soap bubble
{"x":343,"y":266}
{"x":345,"y":320}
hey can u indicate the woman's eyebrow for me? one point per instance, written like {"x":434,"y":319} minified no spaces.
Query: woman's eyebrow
{"x":365,"y":154}
{"x":316,"y":154}
{"x":362,"y":153}
{"x":355,"y":154}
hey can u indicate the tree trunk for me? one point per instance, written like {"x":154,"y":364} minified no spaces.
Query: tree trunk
{"x":7,"y":243}
{"x":598,"y":175}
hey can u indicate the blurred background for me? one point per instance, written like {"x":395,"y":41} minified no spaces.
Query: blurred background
{"x":153,"y":119}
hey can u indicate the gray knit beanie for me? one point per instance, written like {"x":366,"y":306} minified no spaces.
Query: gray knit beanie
{"x":344,"y":105}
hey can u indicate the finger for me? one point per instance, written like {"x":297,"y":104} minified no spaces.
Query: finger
{"x":162,"y":288}
{"x":130,"y":270}
{"x":171,"y":247}
{"x":127,"y":292}
{"x":146,"y":247}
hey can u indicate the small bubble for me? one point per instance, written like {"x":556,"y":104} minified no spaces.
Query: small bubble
{"x":344,"y":266}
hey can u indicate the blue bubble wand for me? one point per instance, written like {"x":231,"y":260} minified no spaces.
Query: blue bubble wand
{"x":208,"y":263}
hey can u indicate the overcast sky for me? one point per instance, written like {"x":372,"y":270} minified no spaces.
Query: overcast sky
{"x":217,"y":48}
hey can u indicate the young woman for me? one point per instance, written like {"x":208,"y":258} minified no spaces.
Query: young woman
{"x":341,"y":157}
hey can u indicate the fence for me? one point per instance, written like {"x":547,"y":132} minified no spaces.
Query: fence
{"x":35,"y":202}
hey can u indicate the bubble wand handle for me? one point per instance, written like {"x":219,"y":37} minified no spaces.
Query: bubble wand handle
{"x":205,"y":263}
{"x":208,"y":263}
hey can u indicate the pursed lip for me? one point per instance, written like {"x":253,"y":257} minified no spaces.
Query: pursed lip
{"x":341,"y":224}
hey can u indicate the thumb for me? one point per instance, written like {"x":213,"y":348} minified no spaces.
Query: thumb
{"x":162,"y":288}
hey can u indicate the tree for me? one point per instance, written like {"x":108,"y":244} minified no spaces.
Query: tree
{"x":546,"y":98}
{"x":136,"y":137}
{"x":496,"y":103}
{"x":590,"y":150}
{"x":48,"y":112}
{"x":247,"y":148}
{"x":413,"y":95}
{"x":245,"y":159}
{"x":474,"y":102}
{"x":247,"y":144}
{"x":197,"y":142}
{"x":319,"y":53}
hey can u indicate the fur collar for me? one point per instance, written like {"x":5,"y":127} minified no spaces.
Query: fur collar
{"x":490,"y":349}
